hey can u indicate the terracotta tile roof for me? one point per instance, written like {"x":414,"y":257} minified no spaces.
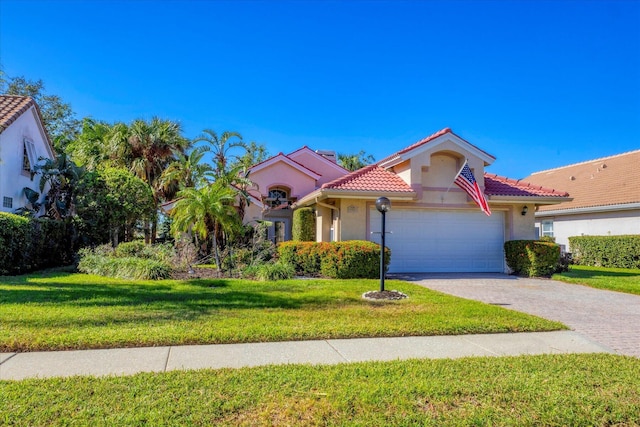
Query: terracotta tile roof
{"x":370,"y":178}
{"x":607,"y":181}
{"x":495,"y":185}
{"x":425,"y":141}
{"x":12,"y":107}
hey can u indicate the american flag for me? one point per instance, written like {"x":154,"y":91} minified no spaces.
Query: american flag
{"x":467,"y":182}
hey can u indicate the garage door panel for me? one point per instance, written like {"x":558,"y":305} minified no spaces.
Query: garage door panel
{"x":442,"y":241}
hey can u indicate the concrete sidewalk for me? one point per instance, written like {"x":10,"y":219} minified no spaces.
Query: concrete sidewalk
{"x":128,"y":361}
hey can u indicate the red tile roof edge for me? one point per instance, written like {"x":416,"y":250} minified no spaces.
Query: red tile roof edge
{"x":362,"y":172}
{"x":15,"y":109}
{"x":523,"y":186}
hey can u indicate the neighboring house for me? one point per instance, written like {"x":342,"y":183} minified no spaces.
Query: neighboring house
{"x":282,"y":180}
{"x":433,"y":225}
{"x":23,"y":140}
{"x":606,"y":198}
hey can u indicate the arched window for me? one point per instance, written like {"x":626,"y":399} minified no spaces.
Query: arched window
{"x":277,"y":197}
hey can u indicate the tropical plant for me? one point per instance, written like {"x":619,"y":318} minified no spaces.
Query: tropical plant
{"x":62,"y":176}
{"x":187,"y":170}
{"x":354,"y":162}
{"x":221,"y":146}
{"x":207,"y":212}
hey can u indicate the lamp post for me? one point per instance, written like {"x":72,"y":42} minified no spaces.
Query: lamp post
{"x":383,"y":205}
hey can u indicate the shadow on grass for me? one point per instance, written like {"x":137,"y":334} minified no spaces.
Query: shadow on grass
{"x":589,"y":274}
{"x":196,"y":296}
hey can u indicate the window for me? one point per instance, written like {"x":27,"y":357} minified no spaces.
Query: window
{"x":547,"y":228}
{"x":277,"y":197}
{"x":7,"y":202}
{"x":29,"y":158}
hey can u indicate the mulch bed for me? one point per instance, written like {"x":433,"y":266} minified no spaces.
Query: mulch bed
{"x":384,"y":295}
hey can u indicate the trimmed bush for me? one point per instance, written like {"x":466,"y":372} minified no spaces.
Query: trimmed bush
{"x":532,"y":258}
{"x":606,"y":251}
{"x":31,"y":244}
{"x":339,"y":260}
{"x":304,"y":225}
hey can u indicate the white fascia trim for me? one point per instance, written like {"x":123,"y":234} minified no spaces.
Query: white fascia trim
{"x":534,"y":199}
{"x":322,"y":194}
{"x":593,"y":209}
{"x":488,"y":159}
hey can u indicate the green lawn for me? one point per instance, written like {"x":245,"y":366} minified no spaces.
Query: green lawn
{"x":56,"y":311}
{"x":614,"y":279}
{"x":548,"y":390}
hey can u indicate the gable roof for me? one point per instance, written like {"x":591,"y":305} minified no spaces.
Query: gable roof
{"x":607,"y":181}
{"x":13,"y":106}
{"x":370,"y":178}
{"x":296,"y":153}
{"x":281,"y":157}
{"x":435,"y":138}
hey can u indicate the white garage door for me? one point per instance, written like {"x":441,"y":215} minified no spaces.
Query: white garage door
{"x":441,"y":241}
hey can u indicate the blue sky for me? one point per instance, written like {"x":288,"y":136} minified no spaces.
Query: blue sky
{"x":537,"y":84}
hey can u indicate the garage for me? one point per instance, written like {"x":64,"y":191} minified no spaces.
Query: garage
{"x":442,"y":241}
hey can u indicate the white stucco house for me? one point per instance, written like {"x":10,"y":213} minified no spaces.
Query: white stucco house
{"x":23,"y":140}
{"x":605,"y":196}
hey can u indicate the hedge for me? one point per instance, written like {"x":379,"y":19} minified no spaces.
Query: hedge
{"x":304,"y":225}
{"x":606,"y":251}
{"x":28,"y":244}
{"x":339,"y":260}
{"x":532,"y":258}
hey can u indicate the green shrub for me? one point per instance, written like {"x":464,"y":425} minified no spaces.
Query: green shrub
{"x":135,"y":248}
{"x":340,"y":260}
{"x":129,"y":268}
{"x":31,"y":244}
{"x":274,"y":271}
{"x":606,"y":251}
{"x":304,"y":225}
{"x":532,"y":258}
{"x":14,"y":243}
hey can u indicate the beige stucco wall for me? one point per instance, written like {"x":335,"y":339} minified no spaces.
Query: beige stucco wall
{"x":353,"y":217}
{"x":325,"y":168}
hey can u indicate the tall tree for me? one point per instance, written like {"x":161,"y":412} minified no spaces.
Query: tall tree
{"x":57,"y":116}
{"x":222,"y":147}
{"x":354,"y":162}
{"x":150,"y":147}
{"x":188,"y":170}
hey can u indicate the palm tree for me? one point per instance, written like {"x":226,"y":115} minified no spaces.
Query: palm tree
{"x":187,"y":170}
{"x":354,"y":162}
{"x":206,"y":212}
{"x":221,"y":146}
{"x":150,"y":148}
{"x":62,"y":175}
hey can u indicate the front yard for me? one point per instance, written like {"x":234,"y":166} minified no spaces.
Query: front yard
{"x":58,"y":311}
{"x":613,"y":279}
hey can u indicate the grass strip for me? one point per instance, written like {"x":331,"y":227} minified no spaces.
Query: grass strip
{"x":600,"y":389}
{"x":61,"y":311}
{"x":613,"y":279}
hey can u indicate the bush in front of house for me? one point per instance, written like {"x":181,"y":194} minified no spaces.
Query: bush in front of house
{"x":532,"y":258}
{"x":270,"y":271}
{"x":606,"y":251}
{"x":130,"y":260}
{"x":339,"y":260}
{"x":28,"y":244}
{"x":303,"y":228}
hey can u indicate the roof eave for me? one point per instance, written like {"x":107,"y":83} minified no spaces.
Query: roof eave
{"x":589,"y":209}
{"x":323,"y":193}
{"x":539,"y":200}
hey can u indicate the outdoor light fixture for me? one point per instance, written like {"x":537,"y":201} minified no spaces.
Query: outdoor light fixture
{"x":383,"y":205}
{"x":525,"y":209}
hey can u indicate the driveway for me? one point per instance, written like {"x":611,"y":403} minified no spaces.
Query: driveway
{"x":609,"y":318}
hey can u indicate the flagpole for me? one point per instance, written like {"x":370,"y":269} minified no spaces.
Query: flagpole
{"x":454,"y":178}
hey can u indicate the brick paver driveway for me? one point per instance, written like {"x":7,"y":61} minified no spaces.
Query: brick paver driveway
{"x":610,"y":318}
